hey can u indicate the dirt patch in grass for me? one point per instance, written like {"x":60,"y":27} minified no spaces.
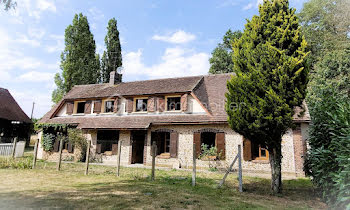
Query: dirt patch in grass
{"x":44,"y":187}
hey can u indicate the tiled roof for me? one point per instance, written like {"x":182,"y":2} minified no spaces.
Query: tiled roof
{"x":209,"y":90}
{"x":147,"y":87}
{"x":9,"y":109}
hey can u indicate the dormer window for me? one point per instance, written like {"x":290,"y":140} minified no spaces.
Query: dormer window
{"x":141,"y":105}
{"x":173,"y":103}
{"x":109,"y":106}
{"x":81,"y":107}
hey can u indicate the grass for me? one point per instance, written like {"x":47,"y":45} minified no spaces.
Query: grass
{"x":44,"y":187}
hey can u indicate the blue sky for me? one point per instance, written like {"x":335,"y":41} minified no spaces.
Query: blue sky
{"x":159,"y":39}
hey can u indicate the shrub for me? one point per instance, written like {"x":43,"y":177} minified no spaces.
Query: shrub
{"x":18,"y":163}
{"x":329,"y":157}
{"x":76,"y":137}
{"x":47,"y":141}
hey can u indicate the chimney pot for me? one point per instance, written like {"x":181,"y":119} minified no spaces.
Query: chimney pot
{"x":114,"y":78}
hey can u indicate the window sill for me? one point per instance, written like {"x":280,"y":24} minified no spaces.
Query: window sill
{"x":261,"y":161}
{"x":78,"y":114}
{"x":164,"y":156}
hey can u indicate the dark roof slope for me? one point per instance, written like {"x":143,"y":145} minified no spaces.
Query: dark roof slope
{"x":9,"y":109}
{"x":146,"y":87}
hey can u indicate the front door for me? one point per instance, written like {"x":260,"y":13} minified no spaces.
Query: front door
{"x":137,"y":139}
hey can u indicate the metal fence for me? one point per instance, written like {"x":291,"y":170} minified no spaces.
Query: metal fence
{"x":6,"y":149}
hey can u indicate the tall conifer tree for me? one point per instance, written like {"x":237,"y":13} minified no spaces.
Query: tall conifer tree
{"x":112,"y":58}
{"x":271,"y":79}
{"x":79,"y":61}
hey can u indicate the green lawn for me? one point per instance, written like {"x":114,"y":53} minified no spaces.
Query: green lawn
{"x":44,"y":187}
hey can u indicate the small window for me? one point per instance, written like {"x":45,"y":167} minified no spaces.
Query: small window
{"x":80,"y":107}
{"x":109,"y":106}
{"x":141,"y":105}
{"x":173,"y":103}
{"x":260,"y":152}
{"x":162,"y":140}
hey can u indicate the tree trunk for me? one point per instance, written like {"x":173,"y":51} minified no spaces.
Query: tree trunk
{"x":275,"y":157}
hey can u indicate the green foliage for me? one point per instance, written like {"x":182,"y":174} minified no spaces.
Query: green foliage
{"x":79,"y":62}
{"x":329,"y":139}
{"x":16,"y":163}
{"x":325,"y":24}
{"x":9,"y":4}
{"x":79,"y":141}
{"x":208,"y":151}
{"x":271,"y":78}
{"x":221,"y":60}
{"x":47,"y":141}
{"x":112,"y":58}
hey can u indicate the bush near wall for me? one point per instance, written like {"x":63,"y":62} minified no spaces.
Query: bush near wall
{"x":329,"y":157}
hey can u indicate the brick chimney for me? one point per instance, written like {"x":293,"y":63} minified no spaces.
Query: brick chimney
{"x":114,"y":78}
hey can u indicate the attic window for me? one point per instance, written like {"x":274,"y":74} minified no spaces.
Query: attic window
{"x":109,"y":105}
{"x":80,"y":107}
{"x":141,"y":105}
{"x":173,"y":103}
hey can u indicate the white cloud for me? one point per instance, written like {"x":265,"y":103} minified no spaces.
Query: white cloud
{"x":59,"y":43}
{"x":35,"y":76}
{"x":23,"y":39}
{"x":36,"y":33}
{"x":96,"y":14}
{"x":248,"y":6}
{"x":26,"y":98}
{"x":179,"y":37}
{"x":174,"y":62}
{"x":227,"y":3}
{"x":46,"y":5}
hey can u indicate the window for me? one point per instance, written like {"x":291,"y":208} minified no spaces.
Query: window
{"x":254,"y":151}
{"x":259,"y":152}
{"x":208,"y":138}
{"x":109,"y":106}
{"x":173,"y":103}
{"x":107,"y":140}
{"x":162,"y":140}
{"x":80,"y":107}
{"x":141,"y":105}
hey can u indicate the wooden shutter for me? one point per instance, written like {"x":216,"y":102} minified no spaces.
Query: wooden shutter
{"x":197,"y":141}
{"x":174,"y":138}
{"x":247,"y":149}
{"x":98,"y":148}
{"x":115,"y":106}
{"x":97,"y":106}
{"x":56,"y":146}
{"x":129,"y":105}
{"x":87,"y":109}
{"x":70,"y":106}
{"x":70,"y":147}
{"x":151,"y":104}
{"x":114,"y":149}
{"x":220,"y":144}
{"x":160,"y":104}
{"x":184,"y":102}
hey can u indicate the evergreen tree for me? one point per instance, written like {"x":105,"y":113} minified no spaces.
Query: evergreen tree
{"x":221,"y":60}
{"x":271,"y":79}
{"x":112,"y":58}
{"x":79,"y":61}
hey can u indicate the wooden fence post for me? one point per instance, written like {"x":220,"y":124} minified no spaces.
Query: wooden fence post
{"x":240,"y":168}
{"x":154,"y":154}
{"x":60,"y":155}
{"x":194,"y":165}
{"x":87,"y":158}
{"x":118,"y":157}
{"x":35,"y":153}
{"x":14,"y":147}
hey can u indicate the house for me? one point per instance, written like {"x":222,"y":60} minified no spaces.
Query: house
{"x":13,"y":121}
{"x":174,"y":113}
